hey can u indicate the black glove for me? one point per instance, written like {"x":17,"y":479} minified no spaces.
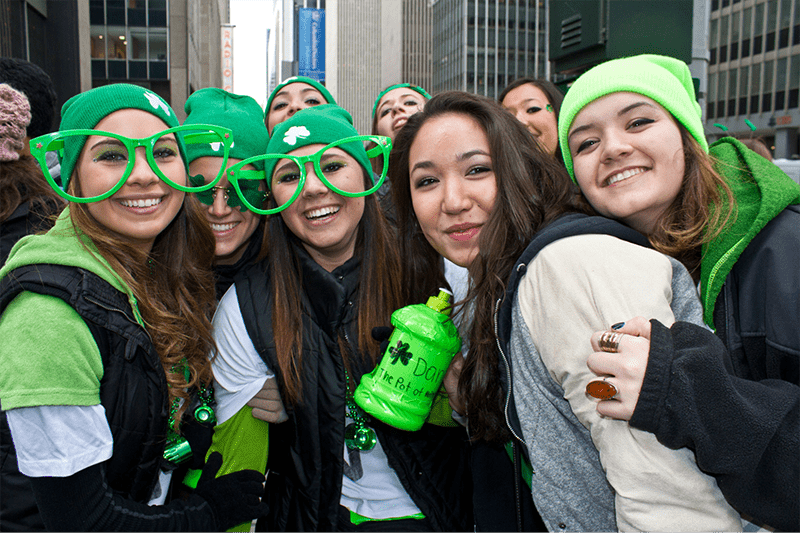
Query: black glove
{"x":198,"y":435}
{"x":234,"y":498}
{"x":382,"y":334}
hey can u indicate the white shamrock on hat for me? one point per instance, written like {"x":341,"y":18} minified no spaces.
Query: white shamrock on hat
{"x":157,"y":102}
{"x":216,"y":146}
{"x":294,"y":133}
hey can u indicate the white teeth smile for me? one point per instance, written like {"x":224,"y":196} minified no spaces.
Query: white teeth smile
{"x":319,"y":213}
{"x":223,"y":227}
{"x":141,"y":203}
{"x":625,"y":175}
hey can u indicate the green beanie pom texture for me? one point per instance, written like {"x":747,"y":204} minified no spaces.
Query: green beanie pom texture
{"x":239,"y":113}
{"x":299,"y":79}
{"x":664,"y":79}
{"x":322,"y":124}
{"x":85,"y":110}
{"x":411,"y":86}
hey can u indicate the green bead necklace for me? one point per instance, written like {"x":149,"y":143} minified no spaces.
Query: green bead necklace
{"x":357,"y":435}
{"x":178,"y":449}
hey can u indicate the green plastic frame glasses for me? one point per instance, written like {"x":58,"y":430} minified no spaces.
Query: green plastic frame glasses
{"x":383,"y":145}
{"x":190,"y":134}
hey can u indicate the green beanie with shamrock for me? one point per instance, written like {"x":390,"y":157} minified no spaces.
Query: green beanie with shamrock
{"x":300,"y":79}
{"x":85,"y":110}
{"x":411,"y":86}
{"x":321,"y":124}
{"x":239,"y":113}
{"x":664,"y":79}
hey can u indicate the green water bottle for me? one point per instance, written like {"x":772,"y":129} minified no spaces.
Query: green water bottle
{"x":401,"y":389}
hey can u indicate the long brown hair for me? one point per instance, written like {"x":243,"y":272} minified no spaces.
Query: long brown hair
{"x":701,"y":210}
{"x":22,"y":181}
{"x":378,"y":293}
{"x":173,"y":286}
{"x":532,"y":190}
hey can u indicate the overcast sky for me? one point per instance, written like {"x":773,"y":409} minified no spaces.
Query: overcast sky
{"x":251,"y":18}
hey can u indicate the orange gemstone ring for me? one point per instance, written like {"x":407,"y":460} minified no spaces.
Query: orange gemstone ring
{"x":601,"y":389}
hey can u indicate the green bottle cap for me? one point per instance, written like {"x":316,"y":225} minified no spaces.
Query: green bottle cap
{"x":440,"y":302}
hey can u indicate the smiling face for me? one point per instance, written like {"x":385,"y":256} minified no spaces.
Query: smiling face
{"x":628,"y":158}
{"x":325,"y":222}
{"x":394,"y":109}
{"x":531,"y":107}
{"x":232,"y":226}
{"x":453,"y":185}
{"x":291,"y":99}
{"x":145,"y":205}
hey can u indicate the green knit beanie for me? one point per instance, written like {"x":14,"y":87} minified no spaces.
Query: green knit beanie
{"x":85,"y":110}
{"x":664,"y":79}
{"x":411,"y":86}
{"x":322,"y":124}
{"x":300,"y":79}
{"x":239,"y":113}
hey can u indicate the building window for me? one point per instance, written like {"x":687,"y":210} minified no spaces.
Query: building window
{"x":129,"y":49}
{"x":766,"y":100}
{"x":782,"y":66}
{"x":744,"y":74}
{"x":711,"y":93}
{"x":755,"y":87}
{"x":794,"y":81}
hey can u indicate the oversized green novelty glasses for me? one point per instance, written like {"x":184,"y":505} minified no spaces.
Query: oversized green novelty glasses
{"x":115,"y":155}
{"x":330,"y":166}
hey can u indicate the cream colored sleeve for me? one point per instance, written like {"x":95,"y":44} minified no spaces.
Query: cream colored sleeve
{"x":573,"y":288}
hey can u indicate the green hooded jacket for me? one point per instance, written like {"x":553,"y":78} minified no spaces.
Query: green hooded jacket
{"x":49,"y":327}
{"x":762,"y":191}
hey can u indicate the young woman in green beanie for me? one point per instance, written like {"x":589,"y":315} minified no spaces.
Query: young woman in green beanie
{"x":303,"y":317}
{"x":636,"y":148}
{"x":292,"y":95}
{"x":394,"y":105}
{"x":238,"y":232}
{"x":106,"y":329}
{"x":472,"y":185}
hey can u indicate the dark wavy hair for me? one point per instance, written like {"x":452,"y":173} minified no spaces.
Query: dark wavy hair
{"x":532,"y":190}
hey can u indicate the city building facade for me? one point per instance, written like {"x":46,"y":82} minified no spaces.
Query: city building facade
{"x":172,"y":47}
{"x":480,"y":46}
{"x":754,"y":72}
{"x":368,"y":45}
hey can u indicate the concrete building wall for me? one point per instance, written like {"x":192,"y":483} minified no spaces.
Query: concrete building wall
{"x":417,"y":46}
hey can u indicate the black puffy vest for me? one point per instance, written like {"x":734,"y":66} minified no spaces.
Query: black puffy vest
{"x":133,"y":387}
{"x":305,"y":464}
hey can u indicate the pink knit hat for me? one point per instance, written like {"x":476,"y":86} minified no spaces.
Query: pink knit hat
{"x":15,"y":115}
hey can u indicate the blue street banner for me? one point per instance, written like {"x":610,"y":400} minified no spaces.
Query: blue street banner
{"x":311,"y":43}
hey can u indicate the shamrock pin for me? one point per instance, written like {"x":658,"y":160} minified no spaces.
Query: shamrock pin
{"x":294,"y":133}
{"x":401,"y":353}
